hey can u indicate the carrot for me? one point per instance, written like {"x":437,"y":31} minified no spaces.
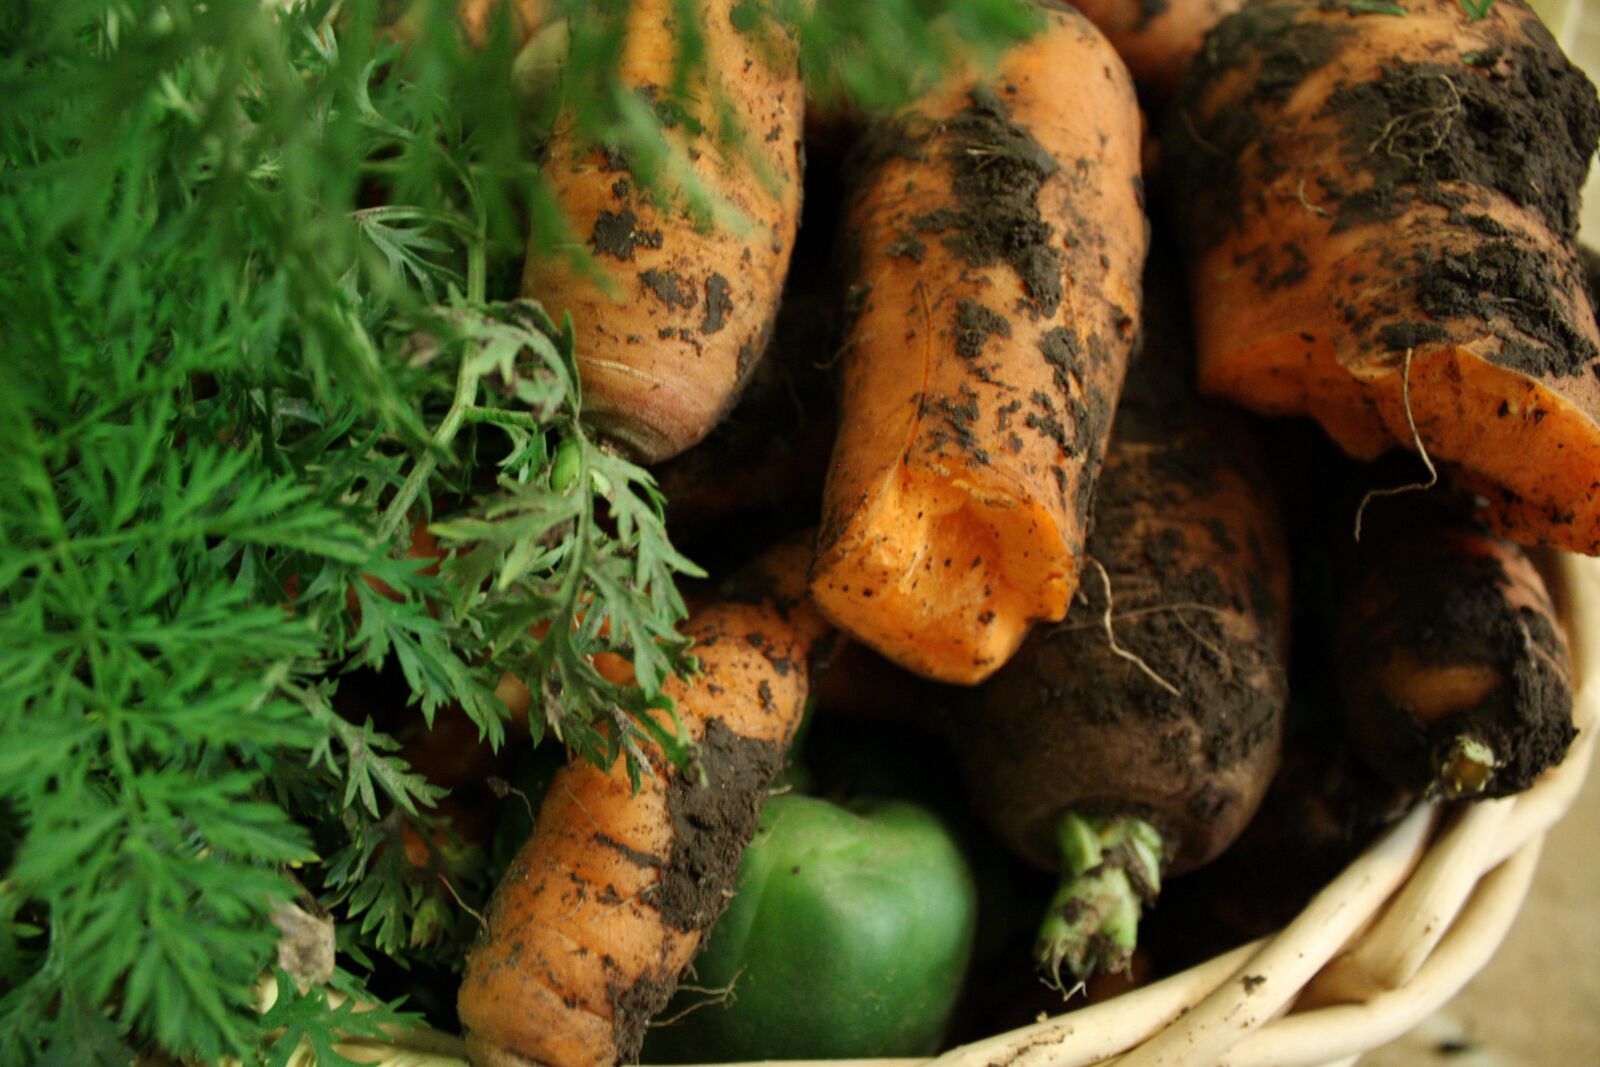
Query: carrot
{"x":1453,"y":670}
{"x":474,"y":16}
{"x":1380,"y":216}
{"x":1157,"y":38}
{"x":608,"y":901}
{"x":1000,"y":239}
{"x":1135,"y":740}
{"x":669,"y":334}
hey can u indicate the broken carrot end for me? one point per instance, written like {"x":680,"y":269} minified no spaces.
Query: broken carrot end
{"x":943,"y":581}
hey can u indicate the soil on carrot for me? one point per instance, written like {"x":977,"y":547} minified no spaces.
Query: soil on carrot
{"x":1522,"y":286}
{"x":1442,"y":619}
{"x":1203,"y":153}
{"x":670,"y":287}
{"x":719,"y":302}
{"x":711,"y":824}
{"x":633,"y":1006}
{"x":1523,"y":123}
{"x":975,"y":324}
{"x":1520,"y":119}
{"x":997,"y":171}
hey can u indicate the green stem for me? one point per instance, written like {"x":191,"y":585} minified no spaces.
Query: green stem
{"x":400,"y":506}
{"x":1466,"y":767}
{"x":1110,"y":868}
{"x":466,"y":378}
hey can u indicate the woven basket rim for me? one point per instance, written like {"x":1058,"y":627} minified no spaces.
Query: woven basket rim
{"x":1388,"y":941}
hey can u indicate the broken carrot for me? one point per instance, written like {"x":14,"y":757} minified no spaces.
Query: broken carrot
{"x":999,"y":242}
{"x":1380,"y":215}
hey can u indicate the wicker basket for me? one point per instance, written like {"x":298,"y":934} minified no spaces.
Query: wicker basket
{"x":1385,"y":944}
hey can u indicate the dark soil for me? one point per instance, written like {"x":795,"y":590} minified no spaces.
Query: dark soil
{"x":1446,"y":606}
{"x":719,"y":302}
{"x":1504,"y":278}
{"x":617,"y":234}
{"x":975,"y":324}
{"x":1518,"y":119}
{"x":711,"y":825}
{"x":1525,"y":126}
{"x":998,"y":169}
{"x":670,"y":287}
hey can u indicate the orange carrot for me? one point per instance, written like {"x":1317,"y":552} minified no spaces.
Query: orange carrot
{"x":608,"y":901}
{"x":665,"y":347}
{"x":1001,"y":238}
{"x":1157,"y":38}
{"x":1380,"y":215}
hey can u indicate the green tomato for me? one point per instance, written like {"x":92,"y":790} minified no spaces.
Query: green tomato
{"x":849,"y":936}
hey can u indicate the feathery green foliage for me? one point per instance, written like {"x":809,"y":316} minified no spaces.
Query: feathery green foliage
{"x":258,"y":284}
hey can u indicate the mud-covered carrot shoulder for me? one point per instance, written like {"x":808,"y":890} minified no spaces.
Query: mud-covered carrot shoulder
{"x":1380,"y":214}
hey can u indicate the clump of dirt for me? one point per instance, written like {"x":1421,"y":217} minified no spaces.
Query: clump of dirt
{"x":1525,"y":126}
{"x":670,"y":287}
{"x":633,"y":1006}
{"x":719,"y":303}
{"x":711,"y":825}
{"x":975,"y":324}
{"x":997,"y":171}
{"x":617,"y":234}
{"x":1503,"y":278}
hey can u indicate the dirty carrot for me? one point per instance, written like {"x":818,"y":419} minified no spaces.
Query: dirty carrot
{"x":1454,"y":676}
{"x":608,"y":901}
{"x":1157,"y":38}
{"x":684,"y":306}
{"x":1136,"y":739}
{"x":1380,"y":215}
{"x":999,"y":239}
{"x":475,"y":19}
